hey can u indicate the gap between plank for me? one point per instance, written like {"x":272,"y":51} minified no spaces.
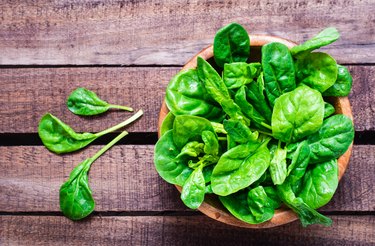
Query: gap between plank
{"x":136,"y":138}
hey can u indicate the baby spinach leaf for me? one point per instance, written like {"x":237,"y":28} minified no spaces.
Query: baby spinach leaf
{"x":237,"y":205}
{"x":194,"y":188}
{"x":278,"y":166}
{"x":239,"y":132}
{"x":217,"y":90}
{"x":307,"y":215}
{"x":231,"y":44}
{"x":255,"y":96}
{"x":211,"y":143}
{"x":187,"y":128}
{"x":76,"y":201}
{"x":332,"y":139}
{"x":320,"y":183}
{"x":343,"y":84}
{"x":172,"y":170}
{"x":239,"y":167}
{"x":60,"y":138}
{"x":167,"y":123}
{"x":273,"y":197}
{"x":238,"y":74}
{"x":328,"y":110}
{"x":85,"y":102}
{"x":297,"y":114}
{"x":278,"y":70}
{"x":300,"y":160}
{"x":186,"y":95}
{"x":192,"y":149}
{"x":325,"y":37}
{"x":317,"y":70}
{"x":260,"y":205}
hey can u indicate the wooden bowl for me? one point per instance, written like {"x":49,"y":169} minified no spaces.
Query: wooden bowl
{"x":211,"y":206}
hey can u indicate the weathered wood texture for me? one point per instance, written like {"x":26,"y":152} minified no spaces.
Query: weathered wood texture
{"x":180,"y":230}
{"x":27,"y":94}
{"x":125,"y":179}
{"x":170,"y":32}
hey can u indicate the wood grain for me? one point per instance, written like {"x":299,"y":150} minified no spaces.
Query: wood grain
{"x":27,"y":94}
{"x":180,"y":230}
{"x":125,"y":179}
{"x":170,"y":32}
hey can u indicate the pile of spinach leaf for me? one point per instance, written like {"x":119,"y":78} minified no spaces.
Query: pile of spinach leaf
{"x":258,"y":135}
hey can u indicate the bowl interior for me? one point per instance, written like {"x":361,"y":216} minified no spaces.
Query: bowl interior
{"x":211,"y":206}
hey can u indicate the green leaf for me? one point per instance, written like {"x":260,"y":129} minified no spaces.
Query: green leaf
{"x":237,"y":205}
{"x":186,"y":95}
{"x":278,"y":166}
{"x":325,"y":37}
{"x":194,"y":189}
{"x":172,"y":170}
{"x":231,"y":44}
{"x":297,"y":114}
{"x":192,"y":149}
{"x":60,"y":138}
{"x":167,"y":123}
{"x":76,"y":201}
{"x":320,"y":183}
{"x":239,"y":132}
{"x":332,"y":140}
{"x":278,"y":69}
{"x":85,"y":102}
{"x":238,"y":74}
{"x":239,"y":167}
{"x":211,"y":143}
{"x":300,"y":160}
{"x":328,"y":110}
{"x":317,"y":70}
{"x":343,"y":84}
{"x":260,"y":205}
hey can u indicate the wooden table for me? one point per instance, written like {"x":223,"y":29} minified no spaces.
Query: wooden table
{"x":127,"y":51}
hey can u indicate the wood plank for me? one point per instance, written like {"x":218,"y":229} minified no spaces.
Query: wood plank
{"x":169,"y":32}
{"x":30,"y":178}
{"x":29,"y":93}
{"x":177,"y":230}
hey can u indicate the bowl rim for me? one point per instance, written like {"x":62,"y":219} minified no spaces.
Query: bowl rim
{"x":283,"y":215}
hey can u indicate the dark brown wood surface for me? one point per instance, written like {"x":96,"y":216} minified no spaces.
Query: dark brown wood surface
{"x":127,"y":51}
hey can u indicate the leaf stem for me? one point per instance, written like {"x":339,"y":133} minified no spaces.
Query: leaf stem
{"x":266,"y":125}
{"x":121,"y":125}
{"x":265,"y":133}
{"x":121,"y":107}
{"x":108,"y":146}
{"x":222,"y":138}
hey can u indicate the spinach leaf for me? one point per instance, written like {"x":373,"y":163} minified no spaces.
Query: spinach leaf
{"x":325,"y":37}
{"x":297,"y":114}
{"x":328,"y":110}
{"x":186,"y":95}
{"x":239,"y":132}
{"x":317,"y":70}
{"x":239,"y":167}
{"x":307,"y":215}
{"x":211,"y":143}
{"x":60,"y":138}
{"x":187,"y":128}
{"x":238,"y":74}
{"x":85,"y":102}
{"x":172,"y":170}
{"x":76,"y":201}
{"x":194,"y":189}
{"x":249,"y":111}
{"x":300,"y":160}
{"x":278,"y":165}
{"x":273,"y":197}
{"x":278,"y":69}
{"x":167,"y":123}
{"x":231,"y":44}
{"x":320,"y":183}
{"x":255,"y":96}
{"x":332,"y":139}
{"x":237,"y":205}
{"x":192,"y":149}
{"x":260,"y":205}
{"x":218,"y":91}
{"x":343,"y":84}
